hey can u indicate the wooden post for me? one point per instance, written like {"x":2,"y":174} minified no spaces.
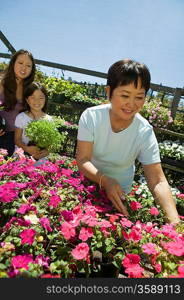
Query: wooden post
{"x":175,"y":102}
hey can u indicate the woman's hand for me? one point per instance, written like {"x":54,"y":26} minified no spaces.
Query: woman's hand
{"x":2,"y":132}
{"x":114,"y":193}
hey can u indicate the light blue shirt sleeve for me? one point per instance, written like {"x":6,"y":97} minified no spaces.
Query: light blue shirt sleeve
{"x":85,"y":129}
{"x":149,"y":153}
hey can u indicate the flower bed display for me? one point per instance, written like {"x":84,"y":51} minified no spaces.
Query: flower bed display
{"x":55,"y":223}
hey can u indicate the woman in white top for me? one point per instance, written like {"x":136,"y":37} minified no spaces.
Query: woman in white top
{"x":112,"y":136}
{"x":35,"y":106}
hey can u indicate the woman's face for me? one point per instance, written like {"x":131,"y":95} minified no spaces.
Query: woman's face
{"x":36,"y":101}
{"x":23,"y":66}
{"x":127,"y":100}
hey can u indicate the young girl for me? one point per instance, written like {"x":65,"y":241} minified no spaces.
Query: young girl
{"x":35,"y":106}
{"x":18,"y":75}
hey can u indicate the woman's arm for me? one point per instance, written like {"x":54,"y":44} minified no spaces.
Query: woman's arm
{"x":160,"y":190}
{"x":111,"y":186}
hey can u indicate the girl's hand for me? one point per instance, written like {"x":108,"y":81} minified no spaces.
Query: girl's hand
{"x":114,"y":193}
{"x":2,"y":132}
{"x":41,"y":154}
{"x":33,"y":150}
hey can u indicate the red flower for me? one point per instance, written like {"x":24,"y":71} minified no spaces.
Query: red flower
{"x":130,"y":260}
{"x":134,"y":205}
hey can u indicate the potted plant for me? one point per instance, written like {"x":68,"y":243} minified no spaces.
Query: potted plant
{"x":45,"y":135}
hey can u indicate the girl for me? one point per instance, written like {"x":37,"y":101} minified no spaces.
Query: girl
{"x":18,"y":75}
{"x":35,"y":106}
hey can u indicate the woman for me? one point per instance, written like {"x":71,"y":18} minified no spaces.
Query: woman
{"x":19,"y":73}
{"x":112,"y":136}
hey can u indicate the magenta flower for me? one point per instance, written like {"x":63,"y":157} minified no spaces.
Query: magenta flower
{"x":67,"y":230}
{"x":85,"y":233}
{"x":134,"y":205}
{"x":24,"y":208}
{"x":45,"y":222}
{"x":66,"y":172}
{"x":8,"y":192}
{"x":154,"y":211}
{"x":54,"y":200}
{"x":80,"y":251}
{"x":22,"y":261}
{"x":27,"y":236}
{"x":67,"y":215}
{"x":149,"y":248}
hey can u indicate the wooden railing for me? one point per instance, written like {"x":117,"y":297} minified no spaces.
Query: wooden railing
{"x":176,"y":93}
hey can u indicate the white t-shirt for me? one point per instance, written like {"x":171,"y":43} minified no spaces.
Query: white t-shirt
{"x":22,"y":120}
{"x":114,"y":154}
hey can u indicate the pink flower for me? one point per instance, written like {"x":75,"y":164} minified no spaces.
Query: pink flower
{"x":3,"y":152}
{"x":154,"y":211}
{"x":42,"y":261}
{"x":54,"y":200}
{"x":176,"y":248}
{"x":80,"y":251}
{"x":27,"y":236}
{"x":149,"y":248}
{"x":85,"y":233}
{"x":67,"y":230}
{"x":45,"y":222}
{"x":20,"y":153}
{"x":134,"y":205}
{"x":22,"y":261}
{"x":125,"y":223}
{"x":169,"y":231}
{"x":130,"y":260}
{"x":134,"y":271}
{"x":181,"y":196}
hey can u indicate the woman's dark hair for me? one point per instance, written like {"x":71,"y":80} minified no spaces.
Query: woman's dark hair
{"x":126,"y":71}
{"x":9,"y":79}
{"x":29,"y":90}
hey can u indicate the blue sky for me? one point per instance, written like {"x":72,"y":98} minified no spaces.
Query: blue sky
{"x":93,"y":34}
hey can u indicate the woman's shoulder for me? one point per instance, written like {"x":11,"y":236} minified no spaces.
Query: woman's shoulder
{"x":98,"y":110}
{"x":142,"y":121}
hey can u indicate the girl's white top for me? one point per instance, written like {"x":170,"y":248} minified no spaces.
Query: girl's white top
{"x":22,"y":120}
